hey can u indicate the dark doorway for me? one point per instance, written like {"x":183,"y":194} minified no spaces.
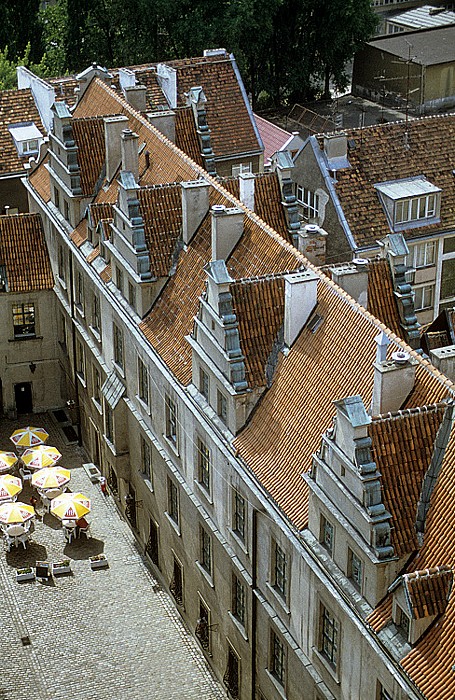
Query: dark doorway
{"x":23,"y":397}
{"x":152,"y":544}
{"x":130,"y":508}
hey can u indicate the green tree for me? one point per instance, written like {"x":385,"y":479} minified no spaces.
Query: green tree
{"x":19,"y":27}
{"x":54,"y":20}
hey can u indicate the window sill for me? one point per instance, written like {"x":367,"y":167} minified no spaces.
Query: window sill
{"x":147,"y":481}
{"x":21,"y":338}
{"x":277,"y":685}
{"x":173,"y":524}
{"x":203,"y":491}
{"x":62,"y":282}
{"x":97,"y":405}
{"x":119,"y":369}
{"x":327,"y":665}
{"x":96,"y":334}
{"x":82,"y":379}
{"x":110,"y":445}
{"x":238,"y":540}
{"x":145,"y":406}
{"x":172,"y":445}
{"x":278,"y":596}
{"x":80,"y":310}
{"x":205,"y":574}
{"x":239,"y":625}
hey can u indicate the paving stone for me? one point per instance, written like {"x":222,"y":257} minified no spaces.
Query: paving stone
{"x":102,"y":634}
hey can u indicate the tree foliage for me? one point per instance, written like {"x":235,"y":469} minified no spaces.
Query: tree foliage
{"x":287,"y":50}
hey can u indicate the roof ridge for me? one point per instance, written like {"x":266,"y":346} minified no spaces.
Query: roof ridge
{"x":408,"y":412}
{"x":269,"y":277}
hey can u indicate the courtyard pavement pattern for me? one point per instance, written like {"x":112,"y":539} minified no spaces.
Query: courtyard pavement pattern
{"x":104,"y":634}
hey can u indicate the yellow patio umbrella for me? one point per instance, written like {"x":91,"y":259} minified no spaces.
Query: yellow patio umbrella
{"x":70,"y":506}
{"x":51,"y":477}
{"x":9,"y":486}
{"x":29,"y":436}
{"x":40,"y":456}
{"x":11,"y":513}
{"x":7,"y":460}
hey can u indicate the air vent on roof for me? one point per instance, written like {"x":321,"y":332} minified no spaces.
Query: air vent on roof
{"x":314,"y":323}
{"x":400,"y":357}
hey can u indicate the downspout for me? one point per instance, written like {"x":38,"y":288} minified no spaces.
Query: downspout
{"x":254,"y":537}
{"x":73,"y":351}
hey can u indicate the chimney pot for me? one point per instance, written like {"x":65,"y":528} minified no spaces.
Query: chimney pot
{"x":400,"y":357}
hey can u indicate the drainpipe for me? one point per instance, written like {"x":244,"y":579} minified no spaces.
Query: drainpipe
{"x":254,"y":546}
{"x":73,"y":352}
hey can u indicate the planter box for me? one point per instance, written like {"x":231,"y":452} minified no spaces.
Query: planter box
{"x":25,"y":575}
{"x":92,"y":471}
{"x":59,"y":567}
{"x":99,"y":562}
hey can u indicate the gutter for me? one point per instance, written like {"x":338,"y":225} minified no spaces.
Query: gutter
{"x":330,"y":186}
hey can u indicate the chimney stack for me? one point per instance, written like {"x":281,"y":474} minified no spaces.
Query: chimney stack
{"x":393,"y":382}
{"x":130,"y":153}
{"x":195,"y":205}
{"x":113,"y":127}
{"x":336,"y":147}
{"x":246,"y":182}
{"x":300,"y":298}
{"x":136,"y":95}
{"x":353,"y":278}
{"x":164,"y":121}
{"x":227,"y":229}
{"x":312,"y":243}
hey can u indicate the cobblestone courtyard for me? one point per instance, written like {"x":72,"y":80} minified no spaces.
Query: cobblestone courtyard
{"x":105,"y":634}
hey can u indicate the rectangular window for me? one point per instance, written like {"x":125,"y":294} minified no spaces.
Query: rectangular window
{"x":416,"y":208}
{"x":424,"y":297}
{"x":277,"y":660}
{"x":118,"y":346}
{"x":56,"y":197}
{"x":329,"y":637}
{"x":403,"y":622}
{"x":424,"y":254}
{"x":131,"y":294}
{"x":176,"y":585}
{"x":449,"y":245}
{"x":61,"y":263}
{"x":108,"y":422}
{"x":448,"y":279}
{"x":202,"y":630}
{"x":143,"y":381}
{"x":80,"y":359}
{"x":204,"y":384}
{"x":221,"y":406}
{"x":309,"y":202}
{"x":96,"y":386}
{"x":231,"y":676}
{"x":241,"y":168}
{"x":171,"y":421}
{"x":119,"y":279}
{"x":24,"y":320}
{"x":327,"y":535}
{"x":382,"y":693}
{"x":66,"y":209}
{"x":206,"y":551}
{"x":279,"y":570}
{"x":79,"y":300}
{"x":96,"y":322}
{"x":152,"y":546}
{"x":146,"y":459}
{"x":238,"y":600}
{"x":172,"y":501}
{"x":355,"y":570}
{"x":203,"y":464}
{"x":238,"y":513}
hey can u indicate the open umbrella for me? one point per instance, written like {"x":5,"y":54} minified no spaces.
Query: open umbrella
{"x":9,"y":486}
{"x":70,"y":506}
{"x":26,"y":437}
{"x":51,"y":478}
{"x":40,"y":456}
{"x":15,"y":512}
{"x":7,"y":460}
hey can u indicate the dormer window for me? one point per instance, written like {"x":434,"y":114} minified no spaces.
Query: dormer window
{"x":410,"y":203}
{"x":27,"y":138}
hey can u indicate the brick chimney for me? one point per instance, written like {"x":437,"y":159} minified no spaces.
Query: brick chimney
{"x":113,"y":127}
{"x":312,"y":243}
{"x":246,"y":182}
{"x":227,"y":229}
{"x":130,"y":153}
{"x":136,"y":96}
{"x":300,"y":299}
{"x":393,"y":382}
{"x":195,"y":205}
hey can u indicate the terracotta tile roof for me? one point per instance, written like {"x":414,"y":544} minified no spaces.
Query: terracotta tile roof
{"x":24,"y":253}
{"x":228,"y":118}
{"x":380,"y":155}
{"x":79,"y":235}
{"x":106,"y":274}
{"x":402,"y":449}
{"x":93,"y":255}
{"x":16,"y":106}
{"x":186,"y":137}
{"x":40,"y":180}
{"x":147,"y":76}
{"x":100,"y":212}
{"x":259,"y":307}
{"x":89,"y":138}
{"x":65,"y":89}
{"x":380,"y":297}
{"x":428,"y":591}
{"x":161,"y":209}
{"x":285,"y":428}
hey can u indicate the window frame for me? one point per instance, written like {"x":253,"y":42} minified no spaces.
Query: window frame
{"x":238,"y":599}
{"x":277,"y":660}
{"x":96,"y":385}
{"x":173,"y":509}
{"x":204,"y":383}
{"x":355,"y":572}
{"x":119,"y":357}
{"x":109,"y":432}
{"x":205,"y":545}
{"x":171,"y":421}
{"x":329,"y":637}
{"x":221,"y":406}
{"x":143,"y":384}
{"x":327,"y":537}
{"x":20,"y":313}
{"x":238,"y":514}
{"x":204,"y":465}
{"x":279,"y":569}
{"x":146,"y":459}
{"x":424,"y":296}
{"x":308,"y":201}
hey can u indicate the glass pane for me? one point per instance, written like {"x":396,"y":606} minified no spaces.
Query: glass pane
{"x":449,"y":245}
{"x":448,"y":279}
